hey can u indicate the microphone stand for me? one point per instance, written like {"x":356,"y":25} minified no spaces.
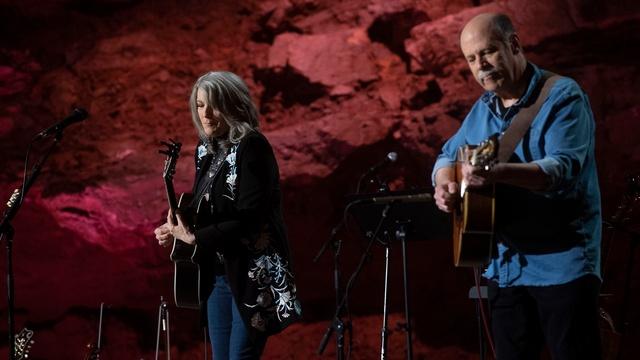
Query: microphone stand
{"x":343,"y":301}
{"x":337,"y":324}
{"x":95,"y":349}
{"x":163,"y":325}
{"x":375,"y":179}
{"x":7,"y":233}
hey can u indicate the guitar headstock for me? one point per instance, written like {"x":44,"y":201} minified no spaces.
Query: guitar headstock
{"x":23,"y":342}
{"x":14,"y":198}
{"x":172,"y":150}
{"x":486,"y":153}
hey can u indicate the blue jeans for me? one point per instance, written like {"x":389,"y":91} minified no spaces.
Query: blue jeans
{"x":227,"y":332}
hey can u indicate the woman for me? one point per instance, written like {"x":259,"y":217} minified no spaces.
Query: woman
{"x":248,"y":287}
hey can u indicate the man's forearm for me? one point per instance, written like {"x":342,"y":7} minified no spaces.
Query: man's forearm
{"x":529,"y":176}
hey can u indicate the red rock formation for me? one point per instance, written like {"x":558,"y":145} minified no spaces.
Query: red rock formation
{"x":339,"y":84}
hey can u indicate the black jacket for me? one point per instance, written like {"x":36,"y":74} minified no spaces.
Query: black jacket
{"x":247,"y":228}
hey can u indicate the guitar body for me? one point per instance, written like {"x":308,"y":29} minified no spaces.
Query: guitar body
{"x":186,"y":279}
{"x":473,"y":219}
{"x":473,"y":228}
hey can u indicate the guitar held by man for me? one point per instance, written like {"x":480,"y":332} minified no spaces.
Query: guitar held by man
{"x":474,"y":213}
{"x":543,"y":277}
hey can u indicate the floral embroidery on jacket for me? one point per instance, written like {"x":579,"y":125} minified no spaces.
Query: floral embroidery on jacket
{"x":277,"y":291}
{"x":232,"y":173}
{"x":202,"y":151}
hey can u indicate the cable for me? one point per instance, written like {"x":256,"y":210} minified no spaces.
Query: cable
{"x":476,"y":278}
{"x":24,"y":174}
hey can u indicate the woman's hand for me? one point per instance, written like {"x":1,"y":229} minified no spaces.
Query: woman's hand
{"x":180,"y":230}
{"x":163,"y":235}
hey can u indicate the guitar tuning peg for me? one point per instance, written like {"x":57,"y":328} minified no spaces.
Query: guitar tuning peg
{"x":13,"y":198}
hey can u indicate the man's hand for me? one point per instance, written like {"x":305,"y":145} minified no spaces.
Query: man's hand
{"x":477,"y":176}
{"x":447,"y":196}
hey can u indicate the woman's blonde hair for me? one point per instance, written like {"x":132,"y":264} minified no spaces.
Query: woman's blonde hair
{"x":228,"y":94}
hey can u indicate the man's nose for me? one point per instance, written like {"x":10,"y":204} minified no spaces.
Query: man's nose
{"x":483,"y":63}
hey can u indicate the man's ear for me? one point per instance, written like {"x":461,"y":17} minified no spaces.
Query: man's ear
{"x":514,"y":43}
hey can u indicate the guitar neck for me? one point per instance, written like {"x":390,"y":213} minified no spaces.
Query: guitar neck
{"x":171,"y":197}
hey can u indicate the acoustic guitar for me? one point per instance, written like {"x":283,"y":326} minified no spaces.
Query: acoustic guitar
{"x":186,"y":277}
{"x":473,"y":218}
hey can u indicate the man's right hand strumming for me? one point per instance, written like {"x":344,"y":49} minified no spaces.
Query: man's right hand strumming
{"x":446,"y":196}
{"x":446,"y":189}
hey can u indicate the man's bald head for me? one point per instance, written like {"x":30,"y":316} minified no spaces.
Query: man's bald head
{"x":498,"y":25}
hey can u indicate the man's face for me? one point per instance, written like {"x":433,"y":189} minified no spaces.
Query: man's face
{"x":489,"y":56}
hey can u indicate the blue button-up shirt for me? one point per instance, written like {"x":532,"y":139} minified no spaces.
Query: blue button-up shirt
{"x":547,"y":237}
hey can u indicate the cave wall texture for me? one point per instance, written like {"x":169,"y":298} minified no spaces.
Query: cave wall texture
{"x":339,"y":84}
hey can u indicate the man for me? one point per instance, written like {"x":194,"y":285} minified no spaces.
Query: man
{"x":544,"y":278}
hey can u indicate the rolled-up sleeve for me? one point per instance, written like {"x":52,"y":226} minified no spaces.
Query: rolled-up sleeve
{"x":567,"y":139}
{"x":447,"y":157}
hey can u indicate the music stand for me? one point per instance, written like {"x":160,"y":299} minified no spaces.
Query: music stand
{"x":411,"y":215}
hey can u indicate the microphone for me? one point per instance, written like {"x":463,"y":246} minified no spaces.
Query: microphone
{"x":419,"y":197}
{"x":77,"y":115}
{"x":390,"y":158}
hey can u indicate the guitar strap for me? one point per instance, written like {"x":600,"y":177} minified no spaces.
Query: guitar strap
{"x":520,"y":125}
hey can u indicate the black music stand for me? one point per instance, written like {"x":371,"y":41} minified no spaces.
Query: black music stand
{"x":410,"y":215}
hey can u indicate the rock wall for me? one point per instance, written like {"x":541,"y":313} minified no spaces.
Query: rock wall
{"x":338,"y":83}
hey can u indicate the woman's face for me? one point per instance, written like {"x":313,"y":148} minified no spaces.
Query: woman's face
{"x":210,"y":118}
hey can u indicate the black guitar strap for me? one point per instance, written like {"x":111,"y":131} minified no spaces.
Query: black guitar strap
{"x":520,"y":125}
{"x":208,"y":174}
